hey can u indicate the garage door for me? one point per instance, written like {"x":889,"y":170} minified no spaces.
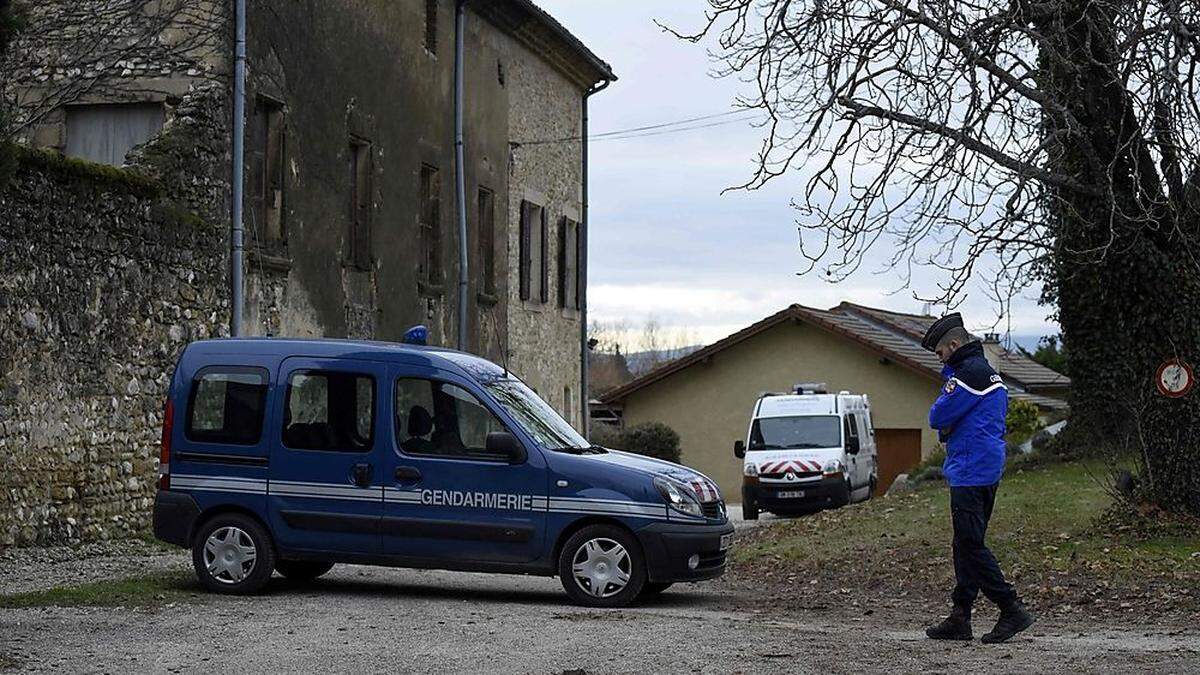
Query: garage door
{"x":899,"y":451}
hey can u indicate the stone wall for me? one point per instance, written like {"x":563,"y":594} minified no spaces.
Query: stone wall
{"x":105,"y":274}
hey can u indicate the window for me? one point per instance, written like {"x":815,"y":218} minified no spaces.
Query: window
{"x":226,"y":406}
{"x":329,"y":411}
{"x":487,"y":241}
{"x":851,"y":427}
{"x":431,"y":225}
{"x":106,"y":133}
{"x":431,"y":25}
{"x":567,"y":407}
{"x":442,"y":419}
{"x":534,"y":271}
{"x":569,"y":252}
{"x":360,"y":203}
{"x":806,"y":431}
{"x":266,"y":155}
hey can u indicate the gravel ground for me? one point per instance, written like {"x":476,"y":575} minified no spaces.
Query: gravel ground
{"x":372,"y":619}
{"x":32,"y":569}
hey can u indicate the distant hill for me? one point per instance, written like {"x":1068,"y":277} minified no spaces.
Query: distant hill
{"x":641,"y":363}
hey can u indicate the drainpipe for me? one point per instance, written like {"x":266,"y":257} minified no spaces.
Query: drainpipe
{"x":585,"y":414}
{"x":239,"y":169}
{"x":460,"y":174}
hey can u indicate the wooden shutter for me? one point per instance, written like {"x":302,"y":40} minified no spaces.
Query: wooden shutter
{"x":563,"y":223}
{"x":580,"y":279}
{"x":526,"y":241}
{"x":545,"y":259}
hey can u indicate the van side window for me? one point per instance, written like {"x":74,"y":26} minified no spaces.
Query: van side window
{"x":226,"y":406}
{"x":441,"y":419}
{"x":851,"y":427}
{"x":328,"y":410}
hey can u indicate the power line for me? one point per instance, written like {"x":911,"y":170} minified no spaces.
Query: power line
{"x":668,"y":131}
{"x":655,"y":129}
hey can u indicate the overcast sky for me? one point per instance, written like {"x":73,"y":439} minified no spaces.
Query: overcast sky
{"x":665,"y":243}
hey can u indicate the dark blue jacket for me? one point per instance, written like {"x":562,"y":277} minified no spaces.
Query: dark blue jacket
{"x":969,"y":416}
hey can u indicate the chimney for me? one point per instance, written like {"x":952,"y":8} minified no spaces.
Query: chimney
{"x":992,"y":350}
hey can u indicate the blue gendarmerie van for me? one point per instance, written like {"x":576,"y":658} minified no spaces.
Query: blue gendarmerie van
{"x":293,"y":455}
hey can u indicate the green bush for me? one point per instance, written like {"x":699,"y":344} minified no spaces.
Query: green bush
{"x":653,"y":439}
{"x":1022,"y":422}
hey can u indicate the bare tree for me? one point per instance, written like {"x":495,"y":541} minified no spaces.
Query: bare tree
{"x":111,"y":50}
{"x":1053,"y":140}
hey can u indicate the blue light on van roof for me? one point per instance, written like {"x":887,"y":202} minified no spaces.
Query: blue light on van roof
{"x":417,"y":335}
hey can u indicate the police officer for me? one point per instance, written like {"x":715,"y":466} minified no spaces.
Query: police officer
{"x":969,"y":416}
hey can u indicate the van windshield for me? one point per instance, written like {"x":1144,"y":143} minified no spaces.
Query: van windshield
{"x":536,"y":416}
{"x":809,"y":431}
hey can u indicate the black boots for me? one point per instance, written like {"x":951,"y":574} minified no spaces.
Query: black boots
{"x":957,"y":626}
{"x":1013,"y":620}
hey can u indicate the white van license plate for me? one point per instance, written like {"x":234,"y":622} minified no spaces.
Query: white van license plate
{"x":726,"y":541}
{"x":791,"y":494}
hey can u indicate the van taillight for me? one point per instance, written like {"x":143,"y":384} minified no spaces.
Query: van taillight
{"x":164,"y":453}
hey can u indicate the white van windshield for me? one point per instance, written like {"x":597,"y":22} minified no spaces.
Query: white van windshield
{"x":536,"y":416}
{"x":809,"y":431}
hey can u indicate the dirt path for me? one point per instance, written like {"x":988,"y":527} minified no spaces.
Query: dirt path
{"x":370,"y":619}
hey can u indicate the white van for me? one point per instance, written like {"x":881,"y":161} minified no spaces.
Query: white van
{"x":807,"y":450}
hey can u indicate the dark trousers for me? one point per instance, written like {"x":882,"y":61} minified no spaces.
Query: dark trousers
{"x":975,"y":568}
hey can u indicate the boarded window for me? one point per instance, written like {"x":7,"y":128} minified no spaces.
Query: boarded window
{"x":360,"y":203}
{"x":431,"y":25}
{"x":266,"y":159}
{"x":106,"y":133}
{"x":226,"y":406}
{"x":431,"y":225}
{"x":328,"y":410}
{"x":534,"y":271}
{"x":487,"y":241}
{"x":568,"y":264}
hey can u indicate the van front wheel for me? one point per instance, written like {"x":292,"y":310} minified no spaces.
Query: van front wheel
{"x":233,"y":555}
{"x":602,"y":566}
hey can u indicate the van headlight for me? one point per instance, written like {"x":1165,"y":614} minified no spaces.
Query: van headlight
{"x":678,"y":497}
{"x":833,"y":467}
{"x":750,"y":469}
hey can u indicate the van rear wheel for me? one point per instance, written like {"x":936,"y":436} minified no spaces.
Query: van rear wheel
{"x":602,"y":566}
{"x":233,"y":554}
{"x":302,"y":570}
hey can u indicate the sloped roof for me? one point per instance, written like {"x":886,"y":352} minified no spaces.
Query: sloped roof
{"x":893,"y":335}
{"x":1012,"y":365}
{"x":543,"y":33}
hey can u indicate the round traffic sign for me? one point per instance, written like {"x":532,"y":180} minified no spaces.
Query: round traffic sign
{"x":1175,"y":378}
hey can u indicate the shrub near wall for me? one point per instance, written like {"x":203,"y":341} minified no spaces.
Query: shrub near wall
{"x":103,"y":280}
{"x":652,"y":439}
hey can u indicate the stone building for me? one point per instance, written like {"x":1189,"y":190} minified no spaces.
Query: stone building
{"x":350,"y":209}
{"x":350,"y":204}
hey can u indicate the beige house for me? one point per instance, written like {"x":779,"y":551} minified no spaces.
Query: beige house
{"x":708,"y":395}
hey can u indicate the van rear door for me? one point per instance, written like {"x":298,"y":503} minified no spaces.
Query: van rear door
{"x":325,"y":490}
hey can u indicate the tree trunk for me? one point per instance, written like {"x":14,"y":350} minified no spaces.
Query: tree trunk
{"x":1128,"y":293}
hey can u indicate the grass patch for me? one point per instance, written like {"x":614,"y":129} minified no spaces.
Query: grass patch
{"x":149,"y":591}
{"x":1052,"y":530}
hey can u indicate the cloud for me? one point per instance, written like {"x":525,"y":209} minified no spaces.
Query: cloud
{"x":666,"y":243}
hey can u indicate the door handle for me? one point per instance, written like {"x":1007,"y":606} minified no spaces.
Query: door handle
{"x":407,"y":474}
{"x":362,"y":475}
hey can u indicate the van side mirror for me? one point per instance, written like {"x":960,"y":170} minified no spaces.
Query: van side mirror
{"x":504,"y":445}
{"x":852,"y":445}
{"x":739,"y":449}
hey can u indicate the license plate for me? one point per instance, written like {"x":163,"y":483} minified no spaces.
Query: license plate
{"x":791,"y":494}
{"x":726,"y":541}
